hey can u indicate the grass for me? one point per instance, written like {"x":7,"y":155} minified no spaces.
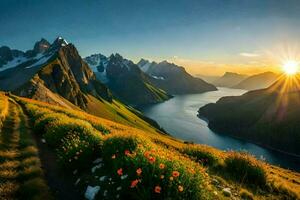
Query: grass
{"x":3,"y":108}
{"x":245,"y":169}
{"x":142,"y":163}
{"x":19,"y":162}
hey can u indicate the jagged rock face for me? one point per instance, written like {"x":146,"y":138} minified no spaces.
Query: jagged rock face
{"x":125,"y":79}
{"x":41,"y":46}
{"x":174,"y":79}
{"x":69,"y":76}
{"x":56,"y":68}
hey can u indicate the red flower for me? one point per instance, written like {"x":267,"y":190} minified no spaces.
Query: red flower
{"x":161,"y":166}
{"x":139,"y":171}
{"x":157,"y":189}
{"x":147,"y":154}
{"x":127,"y":152}
{"x":134,"y":183}
{"x":151,"y":159}
{"x":120,"y":172}
{"x":175,"y":174}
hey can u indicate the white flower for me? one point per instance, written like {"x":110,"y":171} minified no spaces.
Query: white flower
{"x":119,"y":188}
{"x":102,"y":178}
{"x":124,"y":176}
{"x":98,"y":160}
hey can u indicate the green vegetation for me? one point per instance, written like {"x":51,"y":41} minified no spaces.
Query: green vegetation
{"x":246,"y":168}
{"x":3,"y":108}
{"x":21,"y":176}
{"x":126,"y":162}
{"x":202,"y":154}
{"x":129,"y":163}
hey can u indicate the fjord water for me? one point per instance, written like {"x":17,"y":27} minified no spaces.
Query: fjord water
{"x":178,"y":116}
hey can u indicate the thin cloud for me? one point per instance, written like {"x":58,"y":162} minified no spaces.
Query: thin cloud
{"x":245,"y":54}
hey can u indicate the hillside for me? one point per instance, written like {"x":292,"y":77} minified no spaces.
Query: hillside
{"x":269,"y":117}
{"x":173,"y":79}
{"x":58,"y":75}
{"x":100,"y":159}
{"x":229,"y":79}
{"x":125,"y":79}
{"x":257,"y":81}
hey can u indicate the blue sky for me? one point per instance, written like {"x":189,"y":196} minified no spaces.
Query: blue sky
{"x":189,"y":32}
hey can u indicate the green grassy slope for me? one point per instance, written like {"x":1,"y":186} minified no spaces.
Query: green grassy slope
{"x":120,"y":161}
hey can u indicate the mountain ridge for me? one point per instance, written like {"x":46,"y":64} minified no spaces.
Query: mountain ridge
{"x":173,"y":78}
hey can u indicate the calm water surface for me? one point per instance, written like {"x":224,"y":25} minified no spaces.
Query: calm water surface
{"x":178,"y":116}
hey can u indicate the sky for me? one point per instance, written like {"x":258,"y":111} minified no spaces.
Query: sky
{"x":205,"y":36}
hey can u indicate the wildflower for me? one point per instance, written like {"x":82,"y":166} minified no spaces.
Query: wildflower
{"x":120,"y":172}
{"x":162,"y":177}
{"x":113,"y":156}
{"x":157,"y":189}
{"x":161,"y":166}
{"x":175,"y":174}
{"x":180,"y":188}
{"x":171,"y":178}
{"x":127,"y":152}
{"x":124,"y":177}
{"x":119,"y":188}
{"x":139,"y":171}
{"x":151,"y":159}
{"x":147,"y":154}
{"x":134,"y":183}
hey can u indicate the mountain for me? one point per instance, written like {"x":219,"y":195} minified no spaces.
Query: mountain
{"x":269,"y":117}
{"x":229,"y":79}
{"x":257,"y":81}
{"x":209,"y":79}
{"x":55,"y":73}
{"x":126,"y":80}
{"x":174,"y":79}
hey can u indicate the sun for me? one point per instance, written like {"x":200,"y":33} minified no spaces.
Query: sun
{"x":290,"y":67}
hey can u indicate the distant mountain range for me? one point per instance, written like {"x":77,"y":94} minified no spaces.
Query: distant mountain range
{"x":238,"y":81}
{"x":125,"y":79}
{"x":174,"y":79}
{"x":229,"y":79}
{"x":258,"y":81}
{"x":269,"y":117}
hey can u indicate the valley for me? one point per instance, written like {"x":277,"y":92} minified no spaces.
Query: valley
{"x":178,"y":116}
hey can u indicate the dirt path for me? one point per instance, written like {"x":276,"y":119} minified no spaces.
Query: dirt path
{"x":61,"y":184}
{"x":21,"y":176}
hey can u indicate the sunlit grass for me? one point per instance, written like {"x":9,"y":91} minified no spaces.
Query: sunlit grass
{"x":125,"y":147}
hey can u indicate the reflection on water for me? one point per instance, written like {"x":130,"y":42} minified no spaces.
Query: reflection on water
{"x":178,"y":116}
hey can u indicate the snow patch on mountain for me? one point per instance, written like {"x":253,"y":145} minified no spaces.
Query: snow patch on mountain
{"x":13,"y":63}
{"x":40,"y":61}
{"x":158,"y":77}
